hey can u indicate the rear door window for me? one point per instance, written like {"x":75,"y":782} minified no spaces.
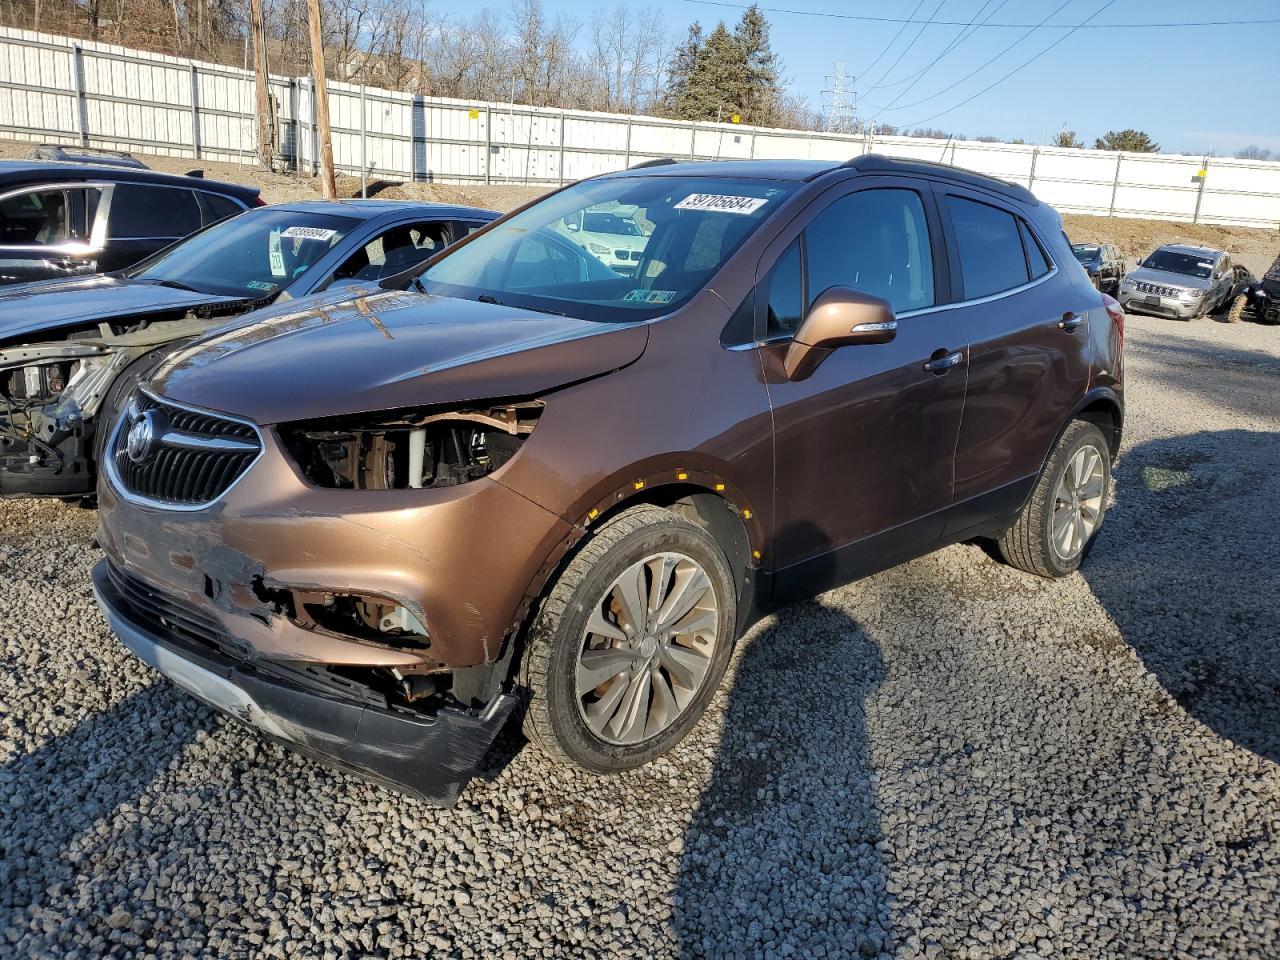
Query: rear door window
{"x":990,"y":248}
{"x":1038,"y":263}
{"x":215,"y":207}
{"x":395,"y":250}
{"x":876,"y":241}
{"x":144,"y":212}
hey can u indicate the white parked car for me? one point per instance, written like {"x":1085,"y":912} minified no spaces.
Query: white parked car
{"x":614,"y":237}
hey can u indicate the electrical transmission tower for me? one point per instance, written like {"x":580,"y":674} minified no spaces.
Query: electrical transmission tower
{"x":838,"y":100}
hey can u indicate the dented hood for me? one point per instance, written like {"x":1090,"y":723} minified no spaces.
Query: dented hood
{"x":50,"y":305}
{"x":339,"y":354}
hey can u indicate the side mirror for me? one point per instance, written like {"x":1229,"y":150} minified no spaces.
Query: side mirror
{"x":839,"y":317}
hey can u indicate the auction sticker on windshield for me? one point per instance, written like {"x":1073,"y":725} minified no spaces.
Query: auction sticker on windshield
{"x":308,"y":233}
{"x":721,"y":203}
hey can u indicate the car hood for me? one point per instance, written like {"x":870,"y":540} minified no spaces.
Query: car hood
{"x":50,"y":305}
{"x":330,"y":355}
{"x":1169,"y":279}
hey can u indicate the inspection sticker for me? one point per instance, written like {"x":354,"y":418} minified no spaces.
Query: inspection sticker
{"x":649,"y":296}
{"x":308,"y":233}
{"x":275,"y":256}
{"x":721,"y":203}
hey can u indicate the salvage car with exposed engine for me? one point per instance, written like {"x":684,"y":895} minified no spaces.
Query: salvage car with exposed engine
{"x":369,"y":526}
{"x":1258,"y":300}
{"x":1179,"y":281}
{"x":69,"y":349}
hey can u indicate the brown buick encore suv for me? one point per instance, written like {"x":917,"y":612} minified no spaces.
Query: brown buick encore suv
{"x":369,"y":524}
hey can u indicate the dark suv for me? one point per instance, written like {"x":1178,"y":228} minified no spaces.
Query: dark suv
{"x":1103,"y":262}
{"x":94,"y":214}
{"x":370,"y":526}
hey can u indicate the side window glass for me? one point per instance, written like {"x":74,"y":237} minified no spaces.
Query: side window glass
{"x":540,"y":262}
{"x":991,"y":256}
{"x":394,"y":251}
{"x":140,"y":211}
{"x":36,"y":218}
{"x":785,"y":294}
{"x":876,"y":241}
{"x":215,"y":207}
{"x":1037,"y":259}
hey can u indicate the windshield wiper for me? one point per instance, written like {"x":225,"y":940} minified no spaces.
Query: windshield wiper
{"x":489,"y":298}
{"x":174,"y":284}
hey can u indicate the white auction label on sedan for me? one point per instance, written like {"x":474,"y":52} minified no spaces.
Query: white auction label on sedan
{"x":308,"y":233}
{"x":721,"y":203}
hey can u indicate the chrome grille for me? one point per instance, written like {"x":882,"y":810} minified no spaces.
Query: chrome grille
{"x":1155,"y":288}
{"x":176,"y":456}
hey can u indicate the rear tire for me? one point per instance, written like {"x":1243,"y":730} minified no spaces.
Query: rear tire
{"x":1235,"y":313}
{"x":656,"y":674}
{"x":1057,"y":526}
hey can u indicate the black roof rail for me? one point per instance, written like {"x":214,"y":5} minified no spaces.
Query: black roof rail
{"x":110,"y":158}
{"x":878,"y":163}
{"x":656,"y":162}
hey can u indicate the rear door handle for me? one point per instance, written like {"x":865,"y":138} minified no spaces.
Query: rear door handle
{"x":940,"y":365}
{"x":1069,"y":322}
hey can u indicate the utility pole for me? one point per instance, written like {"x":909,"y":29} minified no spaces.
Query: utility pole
{"x":320,"y":91}
{"x":266,"y":149}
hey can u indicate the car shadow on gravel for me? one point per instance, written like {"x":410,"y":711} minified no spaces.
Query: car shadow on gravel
{"x":55,"y":797}
{"x":1188,"y":566}
{"x":784,"y":853}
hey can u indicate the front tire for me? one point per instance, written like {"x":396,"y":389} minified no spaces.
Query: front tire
{"x":1235,"y":313}
{"x":631,"y":643}
{"x":1057,"y":526}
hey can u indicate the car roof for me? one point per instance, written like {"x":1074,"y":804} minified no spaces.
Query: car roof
{"x":20,"y":172}
{"x":807,"y":170}
{"x":1191,"y":249}
{"x":369,"y":209}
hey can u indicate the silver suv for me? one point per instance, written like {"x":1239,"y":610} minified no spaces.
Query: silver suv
{"x":1178,"y":281}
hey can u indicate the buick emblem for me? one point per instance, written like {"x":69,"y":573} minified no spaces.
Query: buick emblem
{"x":140,"y":442}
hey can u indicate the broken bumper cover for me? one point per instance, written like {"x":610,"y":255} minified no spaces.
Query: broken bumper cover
{"x":430,"y":757}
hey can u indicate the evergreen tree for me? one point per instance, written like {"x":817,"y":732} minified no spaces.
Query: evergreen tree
{"x":716,"y":86}
{"x":1067,"y":138}
{"x":683,"y":63}
{"x":1130,"y":141}
{"x":761,"y":88}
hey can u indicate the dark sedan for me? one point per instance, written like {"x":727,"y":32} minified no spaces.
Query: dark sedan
{"x":69,"y":348}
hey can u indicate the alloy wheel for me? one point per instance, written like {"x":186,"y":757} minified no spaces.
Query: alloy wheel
{"x":647,"y":648}
{"x":1077,"y":503}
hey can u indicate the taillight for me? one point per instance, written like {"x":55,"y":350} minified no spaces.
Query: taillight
{"x":258,"y":201}
{"x":1116,"y":313}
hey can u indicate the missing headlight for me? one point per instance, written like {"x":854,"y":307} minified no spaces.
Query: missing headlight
{"x":411,"y":451}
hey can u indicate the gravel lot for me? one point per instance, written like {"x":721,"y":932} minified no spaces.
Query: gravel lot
{"x":951,"y":759}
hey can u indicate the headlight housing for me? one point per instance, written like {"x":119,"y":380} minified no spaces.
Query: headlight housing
{"x":599,"y":249}
{"x":1194,"y":294}
{"x":411,"y":450}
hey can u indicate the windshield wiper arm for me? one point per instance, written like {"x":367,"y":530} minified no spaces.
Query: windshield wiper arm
{"x":489,"y":298}
{"x":174,"y":284}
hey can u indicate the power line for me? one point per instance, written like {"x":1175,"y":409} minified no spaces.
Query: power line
{"x":907,"y":48}
{"x":1012,"y":26}
{"x":955,"y":42}
{"x":974,"y":72}
{"x":1025,"y":63}
{"x":961,"y":38}
{"x":890,"y":44}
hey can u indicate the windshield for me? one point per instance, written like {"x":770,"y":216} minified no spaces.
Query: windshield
{"x":1188,"y":264}
{"x":255,"y":254}
{"x":1084,"y":253}
{"x":686,"y":227}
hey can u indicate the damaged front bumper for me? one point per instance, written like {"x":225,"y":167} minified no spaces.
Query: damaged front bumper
{"x":429,"y":756}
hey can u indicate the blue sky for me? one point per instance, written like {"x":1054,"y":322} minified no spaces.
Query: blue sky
{"x":1187,"y":87}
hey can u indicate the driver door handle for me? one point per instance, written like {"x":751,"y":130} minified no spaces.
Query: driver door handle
{"x":941,"y":365}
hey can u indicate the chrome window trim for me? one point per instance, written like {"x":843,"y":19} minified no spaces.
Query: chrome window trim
{"x":919,"y":311}
{"x":108,"y":464}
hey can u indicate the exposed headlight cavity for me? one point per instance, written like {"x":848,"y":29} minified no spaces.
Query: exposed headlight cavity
{"x":414,"y":450}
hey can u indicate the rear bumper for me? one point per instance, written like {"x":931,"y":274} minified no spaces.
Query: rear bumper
{"x":429,"y":757}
